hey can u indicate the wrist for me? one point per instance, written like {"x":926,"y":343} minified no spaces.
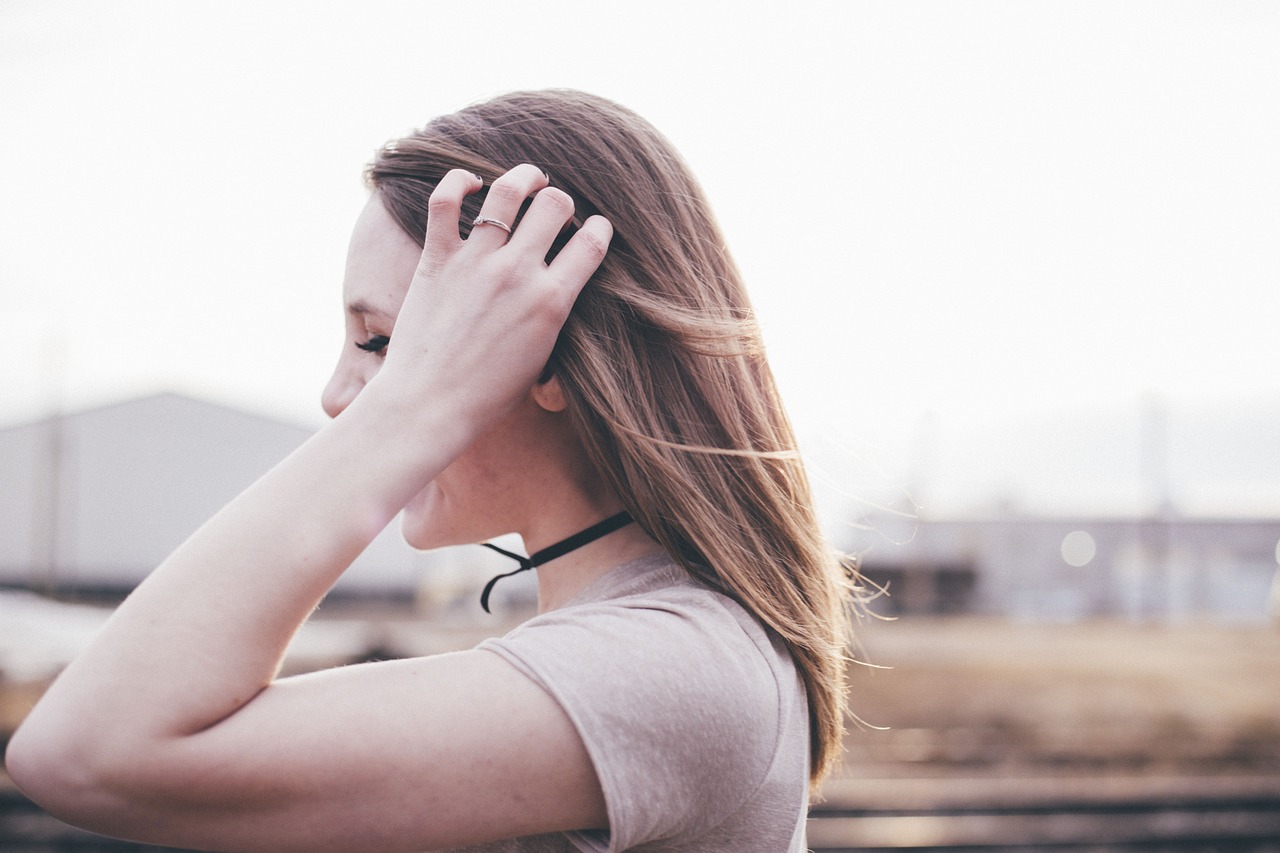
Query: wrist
{"x":413,"y":437}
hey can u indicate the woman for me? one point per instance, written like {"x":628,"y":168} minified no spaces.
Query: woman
{"x":682,"y":684}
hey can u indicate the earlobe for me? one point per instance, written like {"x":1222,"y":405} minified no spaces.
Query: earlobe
{"x":549,"y":394}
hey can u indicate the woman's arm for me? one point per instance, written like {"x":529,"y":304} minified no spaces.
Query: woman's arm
{"x":171,"y":727}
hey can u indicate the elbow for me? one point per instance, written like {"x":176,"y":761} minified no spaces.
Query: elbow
{"x":44,"y":768}
{"x":65,"y":781}
{"x":101,"y":783}
{"x":37,"y":765}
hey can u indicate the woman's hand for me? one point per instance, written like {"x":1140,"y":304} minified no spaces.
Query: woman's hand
{"x":482,"y":314}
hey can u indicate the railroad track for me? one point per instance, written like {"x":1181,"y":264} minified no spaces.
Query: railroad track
{"x":1218,"y":827}
{"x":1209,"y":814}
{"x":1231,"y":814}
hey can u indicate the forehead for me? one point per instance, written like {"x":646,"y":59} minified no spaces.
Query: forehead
{"x":381,"y":260}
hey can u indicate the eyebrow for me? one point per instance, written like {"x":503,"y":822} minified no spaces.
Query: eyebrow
{"x":361,"y":308}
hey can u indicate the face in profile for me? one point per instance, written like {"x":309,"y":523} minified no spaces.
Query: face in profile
{"x":475,"y":497}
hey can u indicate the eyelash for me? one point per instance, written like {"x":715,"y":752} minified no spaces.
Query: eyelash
{"x":375,"y":344}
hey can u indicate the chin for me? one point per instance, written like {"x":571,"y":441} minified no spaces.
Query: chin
{"x":420,"y":521}
{"x":426,"y":537}
{"x":432,"y":521}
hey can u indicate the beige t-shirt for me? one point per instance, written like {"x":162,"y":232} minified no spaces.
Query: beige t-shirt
{"x":693,"y":714}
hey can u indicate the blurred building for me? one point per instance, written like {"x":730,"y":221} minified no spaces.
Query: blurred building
{"x":1157,"y":568}
{"x":93,"y":500}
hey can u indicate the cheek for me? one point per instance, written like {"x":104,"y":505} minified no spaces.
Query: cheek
{"x":474,"y":479}
{"x":475,"y":466}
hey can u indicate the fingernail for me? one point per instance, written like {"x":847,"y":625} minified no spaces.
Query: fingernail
{"x":478,"y":178}
{"x":544,"y":174}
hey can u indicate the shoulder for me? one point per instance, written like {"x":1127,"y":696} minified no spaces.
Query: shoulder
{"x":665,"y":638}
{"x":678,"y":693}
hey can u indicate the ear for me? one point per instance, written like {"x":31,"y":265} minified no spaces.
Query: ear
{"x":548,"y":394}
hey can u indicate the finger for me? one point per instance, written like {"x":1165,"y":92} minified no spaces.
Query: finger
{"x":541,"y":224}
{"x":583,"y":254}
{"x":444,"y":208}
{"x":502,"y":203}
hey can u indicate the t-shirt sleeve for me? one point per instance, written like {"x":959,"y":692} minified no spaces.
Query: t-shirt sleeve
{"x":674,"y":698}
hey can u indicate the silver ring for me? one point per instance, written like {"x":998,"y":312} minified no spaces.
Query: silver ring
{"x":487,"y":220}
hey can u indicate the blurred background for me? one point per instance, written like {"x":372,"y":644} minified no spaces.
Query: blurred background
{"x":1017,"y":267}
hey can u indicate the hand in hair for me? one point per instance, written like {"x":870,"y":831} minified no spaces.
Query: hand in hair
{"x":489,"y":306}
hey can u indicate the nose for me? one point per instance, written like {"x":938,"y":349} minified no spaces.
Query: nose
{"x":341,"y":389}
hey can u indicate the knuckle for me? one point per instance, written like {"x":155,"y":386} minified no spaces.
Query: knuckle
{"x":551,"y":315}
{"x":523,"y":173}
{"x":440,"y":201}
{"x":551,"y":309}
{"x":506,"y":193}
{"x":558,"y":200}
{"x":593,"y":243}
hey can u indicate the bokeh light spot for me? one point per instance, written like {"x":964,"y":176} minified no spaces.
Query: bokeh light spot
{"x":1078,"y":548}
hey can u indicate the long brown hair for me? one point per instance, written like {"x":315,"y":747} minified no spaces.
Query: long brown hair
{"x":663,"y":367}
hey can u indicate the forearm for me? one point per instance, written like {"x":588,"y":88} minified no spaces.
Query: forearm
{"x":207,"y":630}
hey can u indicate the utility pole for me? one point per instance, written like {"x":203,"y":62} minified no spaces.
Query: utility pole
{"x":49,"y":471}
{"x":1157,"y":529}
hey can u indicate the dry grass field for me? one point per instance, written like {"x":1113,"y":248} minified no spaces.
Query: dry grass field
{"x":1102,"y":736}
{"x":1096,"y":694}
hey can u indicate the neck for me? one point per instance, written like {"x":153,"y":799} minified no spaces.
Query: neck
{"x":557,"y":495}
{"x":571,"y":562}
{"x":559,"y":580}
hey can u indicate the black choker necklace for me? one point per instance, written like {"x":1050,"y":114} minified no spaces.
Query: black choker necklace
{"x":559,"y":549}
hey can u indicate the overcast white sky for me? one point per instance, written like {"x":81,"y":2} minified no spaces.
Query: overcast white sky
{"x":977,"y":209}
